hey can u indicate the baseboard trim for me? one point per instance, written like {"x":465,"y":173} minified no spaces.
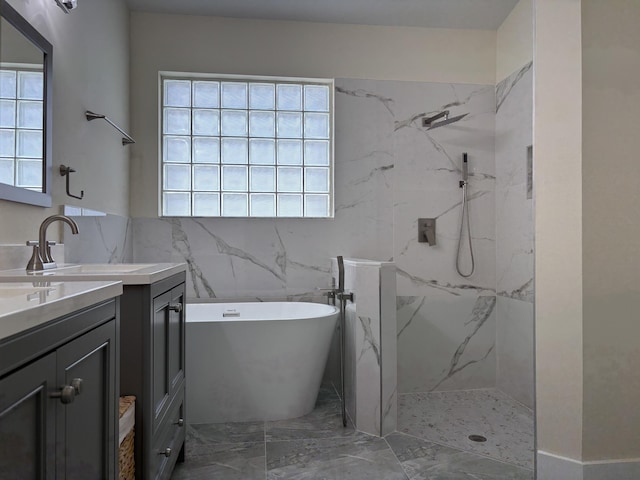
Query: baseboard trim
{"x":555,"y":467}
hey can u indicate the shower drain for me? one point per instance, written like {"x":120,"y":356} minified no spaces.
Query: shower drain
{"x":477,"y":438}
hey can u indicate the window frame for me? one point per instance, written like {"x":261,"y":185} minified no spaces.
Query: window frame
{"x":249,"y":79}
{"x":17,"y":69}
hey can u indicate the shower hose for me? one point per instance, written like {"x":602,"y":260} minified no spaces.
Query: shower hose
{"x":465,"y":215}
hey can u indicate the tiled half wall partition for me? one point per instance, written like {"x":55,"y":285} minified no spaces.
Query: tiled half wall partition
{"x":370,"y":346}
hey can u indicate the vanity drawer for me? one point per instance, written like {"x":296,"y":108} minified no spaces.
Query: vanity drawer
{"x":169,"y":441}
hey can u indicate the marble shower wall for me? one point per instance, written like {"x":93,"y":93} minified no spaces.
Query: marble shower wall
{"x":514,"y":235}
{"x":446,"y":323}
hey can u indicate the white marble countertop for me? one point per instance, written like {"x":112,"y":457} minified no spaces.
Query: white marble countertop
{"x":127,"y":273}
{"x":28,"y":305}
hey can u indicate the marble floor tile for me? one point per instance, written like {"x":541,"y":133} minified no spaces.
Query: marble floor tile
{"x":203,"y":434}
{"x":324,"y":422}
{"x":241,"y":461}
{"x":448,"y":418}
{"x":423,"y":460}
{"x":358,"y":457}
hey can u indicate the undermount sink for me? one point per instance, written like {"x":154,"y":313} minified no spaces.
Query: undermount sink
{"x":102,"y":268}
{"x":10,"y":291}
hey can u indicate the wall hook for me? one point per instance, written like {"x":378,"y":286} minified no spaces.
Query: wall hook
{"x":66,"y":172}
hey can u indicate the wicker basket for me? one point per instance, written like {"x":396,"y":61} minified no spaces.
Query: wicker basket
{"x":126,"y":460}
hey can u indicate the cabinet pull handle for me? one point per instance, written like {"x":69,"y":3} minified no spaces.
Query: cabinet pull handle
{"x":180,"y":422}
{"x":67,"y":394}
{"x":166,"y":452}
{"x":176,"y":307}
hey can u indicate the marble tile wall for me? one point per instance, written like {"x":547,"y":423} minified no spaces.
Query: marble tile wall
{"x":17,"y":256}
{"x":446,"y":343}
{"x":389,"y":171}
{"x":102,"y":238}
{"x":514,"y":236}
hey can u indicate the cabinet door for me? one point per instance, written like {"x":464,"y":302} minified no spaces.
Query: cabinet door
{"x":87,"y":433}
{"x":168,"y":349}
{"x":28,"y":421}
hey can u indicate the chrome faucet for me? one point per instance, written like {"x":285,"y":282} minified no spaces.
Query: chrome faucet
{"x":41,"y":258}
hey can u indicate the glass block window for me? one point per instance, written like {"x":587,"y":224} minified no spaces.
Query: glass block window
{"x":21,"y":127}
{"x":246,"y":147}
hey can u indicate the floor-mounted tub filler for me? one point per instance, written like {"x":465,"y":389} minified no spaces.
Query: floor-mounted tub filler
{"x":255,"y":361}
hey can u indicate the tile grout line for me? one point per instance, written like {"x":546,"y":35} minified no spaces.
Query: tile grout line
{"x":396,"y":457}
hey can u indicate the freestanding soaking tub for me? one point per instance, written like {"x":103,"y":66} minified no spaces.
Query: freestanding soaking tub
{"x":255,"y":361}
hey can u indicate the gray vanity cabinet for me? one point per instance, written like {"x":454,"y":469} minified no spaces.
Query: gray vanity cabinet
{"x":86,"y":430}
{"x":152,"y":368}
{"x":58,"y":394}
{"x":28,"y":421}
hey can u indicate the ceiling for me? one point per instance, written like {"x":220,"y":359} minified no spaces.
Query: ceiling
{"x":480,"y":14}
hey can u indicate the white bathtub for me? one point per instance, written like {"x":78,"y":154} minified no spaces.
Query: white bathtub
{"x":255,"y":361}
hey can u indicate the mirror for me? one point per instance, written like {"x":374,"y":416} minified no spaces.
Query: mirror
{"x":25,"y":110}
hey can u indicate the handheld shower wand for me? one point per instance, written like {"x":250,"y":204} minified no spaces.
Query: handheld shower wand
{"x":465,"y":215}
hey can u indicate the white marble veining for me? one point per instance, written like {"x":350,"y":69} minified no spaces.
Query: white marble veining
{"x":385,"y":166}
{"x":448,"y":418}
{"x":28,"y":305}
{"x":514,"y":211}
{"x":17,"y":256}
{"x":231,"y":258}
{"x":101,"y":239}
{"x":514,"y":349}
{"x":446,"y":343}
{"x":389,"y":345}
{"x":514,"y":236}
{"x":370,"y":346}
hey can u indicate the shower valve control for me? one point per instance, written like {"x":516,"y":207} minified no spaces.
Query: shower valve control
{"x":427,"y":231}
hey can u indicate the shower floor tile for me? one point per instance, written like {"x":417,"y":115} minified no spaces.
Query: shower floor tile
{"x":448,"y":418}
{"x":424,"y":460}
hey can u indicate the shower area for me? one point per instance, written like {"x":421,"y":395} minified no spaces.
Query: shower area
{"x":464,"y":312}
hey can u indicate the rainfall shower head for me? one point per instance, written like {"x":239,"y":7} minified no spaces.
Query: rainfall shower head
{"x":430,"y":122}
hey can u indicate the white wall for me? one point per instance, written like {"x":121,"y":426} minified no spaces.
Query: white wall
{"x":90,"y":72}
{"x":223,"y":45}
{"x":610,"y":228}
{"x":514,"y":40}
{"x":558,"y":226}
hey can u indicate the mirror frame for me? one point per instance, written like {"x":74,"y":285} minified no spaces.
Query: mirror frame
{"x":18,"y":194}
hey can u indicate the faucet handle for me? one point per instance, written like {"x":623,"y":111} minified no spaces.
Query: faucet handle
{"x":32,"y":243}
{"x":51,"y":243}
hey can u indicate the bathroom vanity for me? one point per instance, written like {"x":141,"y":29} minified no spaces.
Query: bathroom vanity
{"x":59,"y":379}
{"x":151,"y":355}
{"x":152,"y":369}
